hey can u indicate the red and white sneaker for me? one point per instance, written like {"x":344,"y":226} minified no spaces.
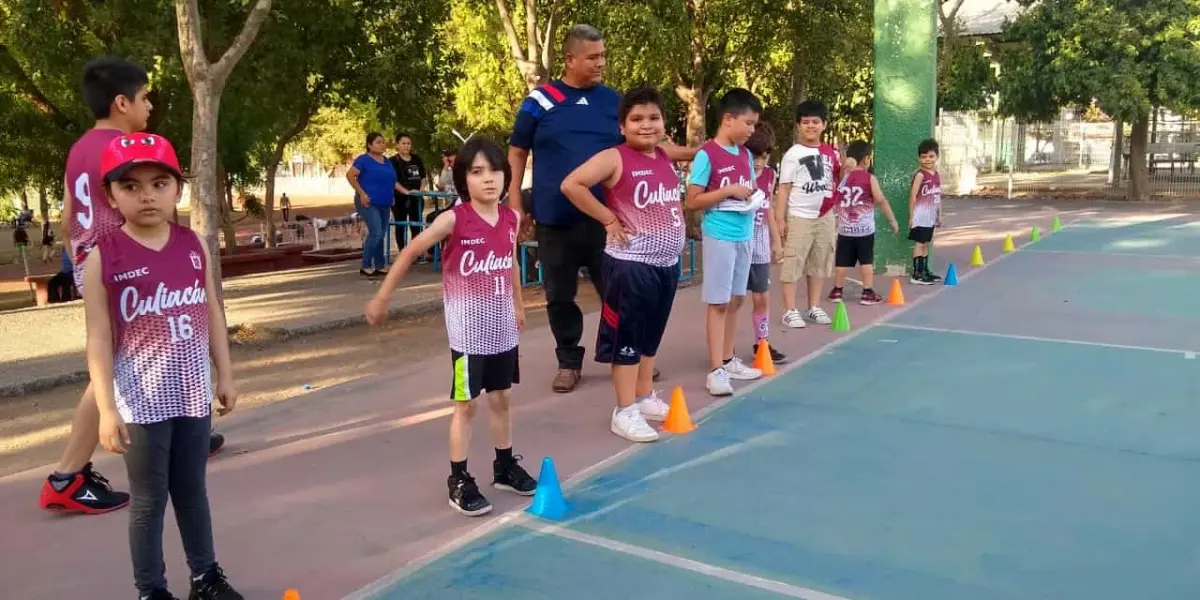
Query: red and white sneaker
{"x":86,"y":492}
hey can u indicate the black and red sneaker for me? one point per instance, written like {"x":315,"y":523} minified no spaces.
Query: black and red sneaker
{"x":835,"y":295}
{"x":216,"y":441}
{"x":869,"y":297}
{"x":87,"y":492}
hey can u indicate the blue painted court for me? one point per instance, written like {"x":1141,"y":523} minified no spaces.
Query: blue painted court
{"x":1032,"y":433}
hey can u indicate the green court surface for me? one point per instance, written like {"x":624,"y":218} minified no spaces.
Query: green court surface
{"x":1028,"y":434}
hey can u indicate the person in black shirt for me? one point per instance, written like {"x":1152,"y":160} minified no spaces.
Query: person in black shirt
{"x":410,"y":175}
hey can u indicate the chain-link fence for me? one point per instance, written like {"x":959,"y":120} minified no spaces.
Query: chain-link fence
{"x":1074,"y":155}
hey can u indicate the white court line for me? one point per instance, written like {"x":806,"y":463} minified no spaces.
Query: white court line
{"x":1035,"y":338}
{"x":1129,"y":254}
{"x":762,"y":583}
{"x":517,"y":514}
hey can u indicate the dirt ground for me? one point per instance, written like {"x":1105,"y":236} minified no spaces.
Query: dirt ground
{"x":33,"y":428}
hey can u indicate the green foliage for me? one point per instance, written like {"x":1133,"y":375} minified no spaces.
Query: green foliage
{"x":1128,"y":55}
{"x":966,"y":80}
{"x":336,"y":135}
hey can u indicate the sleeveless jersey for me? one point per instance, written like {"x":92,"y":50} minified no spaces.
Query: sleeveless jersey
{"x":929,"y":198}
{"x":159,"y":310}
{"x":478,"y":260}
{"x":646,"y":198}
{"x":856,"y":205}
{"x":92,"y":217}
{"x":727,"y":169}
{"x":760,"y":246}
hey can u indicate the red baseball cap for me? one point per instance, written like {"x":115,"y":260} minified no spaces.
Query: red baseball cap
{"x":131,"y":150}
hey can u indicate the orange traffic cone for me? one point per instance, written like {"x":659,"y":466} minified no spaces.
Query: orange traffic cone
{"x":896,"y":298}
{"x":762,"y":359}
{"x":678,"y":419}
{"x":291,"y":595}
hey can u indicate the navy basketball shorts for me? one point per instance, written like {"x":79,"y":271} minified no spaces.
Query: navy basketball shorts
{"x":637,"y":305}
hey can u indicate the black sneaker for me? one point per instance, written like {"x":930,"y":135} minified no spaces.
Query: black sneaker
{"x":213,"y":586}
{"x":920,"y":278}
{"x":933,"y":276}
{"x":216,"y":441}
{"x":777,"y":357}
{"x":87,"y":492}
{"x":158,"y":595}
{"x":465,"y":496}
{"x":512,"y":477}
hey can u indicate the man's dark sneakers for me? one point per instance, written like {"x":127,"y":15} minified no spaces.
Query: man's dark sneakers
{"x":216,"y":441}
{"x":158,"y":595}
{"x":510,"y":476}
{"x":465,"y":496}
{"x":213,"y":586}
{"x":87,"y":492}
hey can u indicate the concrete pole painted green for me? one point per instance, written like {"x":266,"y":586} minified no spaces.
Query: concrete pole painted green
{"x":905,"y":106}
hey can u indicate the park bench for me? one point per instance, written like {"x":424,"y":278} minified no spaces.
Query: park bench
{"x":40,"y":285}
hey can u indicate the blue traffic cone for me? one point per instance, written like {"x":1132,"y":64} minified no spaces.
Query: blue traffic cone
{"x":548,"y":502}
{"x":951,"y":276}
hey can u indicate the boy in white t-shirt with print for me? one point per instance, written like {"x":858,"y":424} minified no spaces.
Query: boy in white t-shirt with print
{"x":803,"y":209}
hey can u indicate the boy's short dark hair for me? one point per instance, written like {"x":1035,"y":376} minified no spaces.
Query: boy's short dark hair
{"x":737,"y":102}
{"x":108,"y":77}
{"x":929,"y":145}
{"x":812,"y":108}
{"x":492,"y":152}
{"x":762,"y":141}
{"x":859,"y":150}
{"x":639,"y":96}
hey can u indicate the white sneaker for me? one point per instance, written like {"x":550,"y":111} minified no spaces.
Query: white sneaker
{"x":631,"y":425}
{"x":653,"y":408}
{"x":793,"y":319}
{"x":736,"y":369}
{"x":718,"y":383}
{"x":817,"y":315}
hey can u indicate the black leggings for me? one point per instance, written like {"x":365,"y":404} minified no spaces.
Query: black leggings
{"x":168,"y":458}
{"x":407,"y":208}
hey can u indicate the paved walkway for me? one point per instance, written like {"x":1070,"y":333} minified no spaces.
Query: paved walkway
{"x":44,"y":347}
{"x":331,"y":491}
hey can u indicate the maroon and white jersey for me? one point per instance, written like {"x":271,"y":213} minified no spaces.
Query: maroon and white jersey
{"x":728,"y":169}
{"x":856,"y":205}
{"x":646,"y":198}
{"x":760,"y":245}
{"x":92,"y":217}
{"x":929,"y":198}
{"x":158,"y":307}
{"x":477,"y":262}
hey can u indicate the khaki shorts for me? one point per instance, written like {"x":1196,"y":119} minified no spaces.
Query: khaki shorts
{"x":808,"y":249}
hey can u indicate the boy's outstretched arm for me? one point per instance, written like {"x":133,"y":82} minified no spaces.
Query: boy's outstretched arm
{"x":440,"y":229}
{"x":882,"y":203}
{"x":518,"y":298}
{"x":678,"y":153}
{"x":913,"y":193}
{"x":113,"y":434}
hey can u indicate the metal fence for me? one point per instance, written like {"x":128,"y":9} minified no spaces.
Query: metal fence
{"x":1070,"y":156}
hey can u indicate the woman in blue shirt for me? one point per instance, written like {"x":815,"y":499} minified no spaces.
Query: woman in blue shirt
{"x":373,"y":179}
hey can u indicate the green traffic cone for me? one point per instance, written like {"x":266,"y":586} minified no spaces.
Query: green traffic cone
{"x":841,"y":320}
{"x":1035,"y":235}
{"x":1056,"y":225}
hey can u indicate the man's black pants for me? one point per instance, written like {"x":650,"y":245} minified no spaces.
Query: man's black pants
{"x":563,"y":250}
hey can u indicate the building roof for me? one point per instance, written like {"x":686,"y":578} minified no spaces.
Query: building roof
{"x":983,"y":17}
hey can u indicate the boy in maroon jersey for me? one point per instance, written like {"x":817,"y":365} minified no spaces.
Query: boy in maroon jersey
{"x":115,"y":91}
{"x":484,"y":314}
{"x":644,"y":221}
{"x":859,"y":194}
{"x":925,"y":211}
{"x":766,"y":247}
{"x":153,"y":323}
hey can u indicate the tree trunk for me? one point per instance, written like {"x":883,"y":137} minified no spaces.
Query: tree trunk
{"x":695,"y":97}
{"x":306,"y":115}
{"x":1139,"y":176}
{"x":24,"y":198}
{"x":43,"y":204}
{"x":207,"y":81}
{"x":206,"y":191}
